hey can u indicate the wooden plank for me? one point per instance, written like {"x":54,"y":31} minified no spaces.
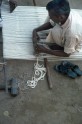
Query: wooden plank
{"x":48,"y":73}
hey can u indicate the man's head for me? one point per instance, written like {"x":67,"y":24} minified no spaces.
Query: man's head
{"x":58,"y":10}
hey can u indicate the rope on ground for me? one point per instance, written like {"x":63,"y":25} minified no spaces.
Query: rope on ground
{"x":39,"y":74}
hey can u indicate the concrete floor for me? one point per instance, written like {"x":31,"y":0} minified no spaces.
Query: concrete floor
{"x":61,"y":105}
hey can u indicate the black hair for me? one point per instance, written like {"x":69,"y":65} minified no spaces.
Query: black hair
{"x":61,"y":7}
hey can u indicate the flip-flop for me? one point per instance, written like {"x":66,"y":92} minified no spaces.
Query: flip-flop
{"x":65,"y":70}
{"x":75,"y":68}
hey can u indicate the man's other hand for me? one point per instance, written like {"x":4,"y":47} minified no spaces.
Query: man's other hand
{"x":35,"y":36}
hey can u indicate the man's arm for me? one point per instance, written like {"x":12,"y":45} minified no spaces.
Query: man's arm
{"x":60,"y":53}
{"x":43,"y":49}
{"x":45,"y":26}
{"x":35,"y":37}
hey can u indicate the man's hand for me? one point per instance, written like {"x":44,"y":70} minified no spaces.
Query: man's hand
{"x":35,"y":36}
{"x":41,"y":48}
{"x":35,"y":39}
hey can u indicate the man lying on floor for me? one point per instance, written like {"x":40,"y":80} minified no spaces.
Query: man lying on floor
{"x":65,"y":30}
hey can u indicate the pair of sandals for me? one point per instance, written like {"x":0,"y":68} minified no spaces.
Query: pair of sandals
{"x":71,"y":70}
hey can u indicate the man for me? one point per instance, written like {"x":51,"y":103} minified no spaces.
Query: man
{"x":65,"y":29}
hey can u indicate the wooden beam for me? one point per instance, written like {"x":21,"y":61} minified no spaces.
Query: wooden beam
{"x":34,"y":2}
{"x":48,"y":73}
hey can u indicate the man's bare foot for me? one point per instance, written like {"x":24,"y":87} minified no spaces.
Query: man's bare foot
{"x":12,"y":5}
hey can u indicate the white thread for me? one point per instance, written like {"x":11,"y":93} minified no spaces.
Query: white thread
{"x":39,"y":74}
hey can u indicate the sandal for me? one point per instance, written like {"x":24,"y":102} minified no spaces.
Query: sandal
{"x":65,"y":70}
{"x":75,"y":68}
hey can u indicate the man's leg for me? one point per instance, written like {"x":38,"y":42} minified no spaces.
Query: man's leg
{"x":0,"y":7}
{"x":12,"y":5}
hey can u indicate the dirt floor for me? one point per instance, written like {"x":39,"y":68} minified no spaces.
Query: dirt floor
{"x":61,"y":105}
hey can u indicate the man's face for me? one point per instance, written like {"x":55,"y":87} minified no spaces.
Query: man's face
{"x":53,"y":16}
